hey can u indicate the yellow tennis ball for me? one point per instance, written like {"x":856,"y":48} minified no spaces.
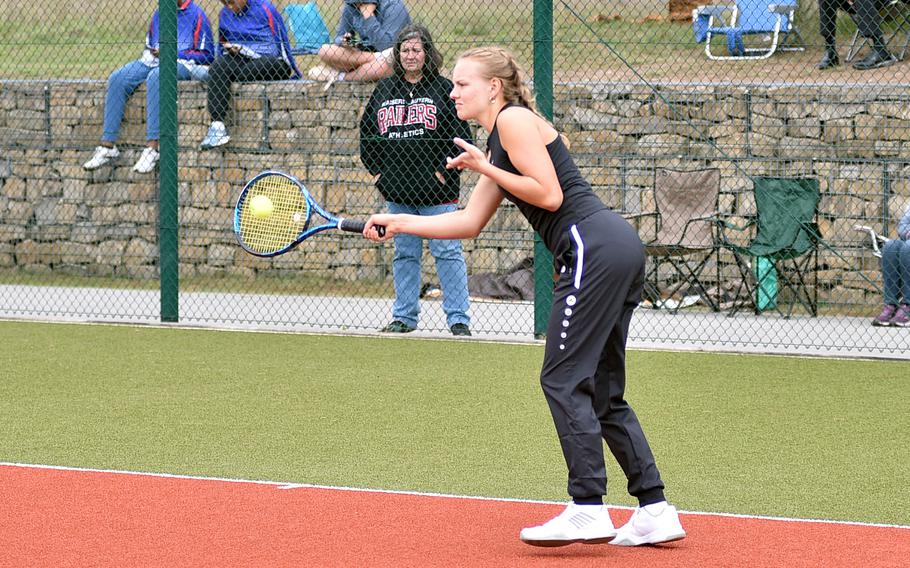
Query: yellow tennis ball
{"x":261,"y":207}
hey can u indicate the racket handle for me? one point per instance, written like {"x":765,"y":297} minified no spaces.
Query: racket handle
{"x":351,"y":226}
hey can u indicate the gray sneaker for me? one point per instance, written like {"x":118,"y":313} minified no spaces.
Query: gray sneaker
{"x":397,"y":326}
{"x":901,"y":317}
{"x":460,"y":329}
{"x":884,"y":319}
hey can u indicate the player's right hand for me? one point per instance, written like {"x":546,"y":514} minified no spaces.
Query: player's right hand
{"x":382,"y":219}
{"x":472,"y":158}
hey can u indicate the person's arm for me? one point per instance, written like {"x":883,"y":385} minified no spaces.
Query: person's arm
{"x":451,"y":127}
{"x":369,"y":136}
{"x":454,"y":127}
{"x":903,"y":226}
{"x":202,"y":52}
{"x":151,"y":37}
{"x":284,"y":41}
{"x":521,"y":138}
{"x":222,"y":40}
{"x":462,"y":224}
{"x":345,"y":24}
{"x":150,"y":52}
{"x":381,"y":29}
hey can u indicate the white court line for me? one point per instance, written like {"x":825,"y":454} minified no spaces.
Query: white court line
{"x":290,"y":485}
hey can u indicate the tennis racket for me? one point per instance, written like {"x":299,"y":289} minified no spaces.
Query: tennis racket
{"x":288,"y":219}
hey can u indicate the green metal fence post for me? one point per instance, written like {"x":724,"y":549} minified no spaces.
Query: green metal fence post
{"x":167,"y":181}
{"x":543,"y":88}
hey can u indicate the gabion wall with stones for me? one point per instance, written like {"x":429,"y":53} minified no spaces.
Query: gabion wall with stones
{"x":57,"y":218}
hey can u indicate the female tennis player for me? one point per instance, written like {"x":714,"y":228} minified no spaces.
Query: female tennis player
{"x":601,"y":262}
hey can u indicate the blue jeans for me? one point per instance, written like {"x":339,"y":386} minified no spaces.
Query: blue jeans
{"x":450,"y":266}
{"x":124,"y":81}
{"x":896,"y":271}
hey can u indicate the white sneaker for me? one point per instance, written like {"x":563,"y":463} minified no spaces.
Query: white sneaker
{"x":147,"y":161}
{"x":216,"y":136}
{"x":590,"y":524}
{"x":651,"y":524}
{"x":102,"y":155}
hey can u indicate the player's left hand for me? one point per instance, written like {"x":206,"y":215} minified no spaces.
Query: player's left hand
{"x":472,"y":158}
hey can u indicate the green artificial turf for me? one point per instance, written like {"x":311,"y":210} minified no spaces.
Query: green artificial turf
{"x":815,"y":438}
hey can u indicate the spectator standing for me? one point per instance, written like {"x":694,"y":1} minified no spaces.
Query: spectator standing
{"x":362,"y":50}
{"x":896,"y":277}
{"x":253,"y":45}
{"x":601,"y":275}
{"x":406,"y":136}
{"x":869,"y":22}
{"x":195,"y":51}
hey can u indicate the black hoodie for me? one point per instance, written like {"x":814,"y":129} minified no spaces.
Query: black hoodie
{"x":406,"y":134}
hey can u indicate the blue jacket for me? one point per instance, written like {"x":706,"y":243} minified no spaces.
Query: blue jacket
{"x":378,"y":32}
{"x":260,"y":28}
{"x":194,"y":34}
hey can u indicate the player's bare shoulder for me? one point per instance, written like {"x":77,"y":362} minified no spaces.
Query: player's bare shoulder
{"x":519,"y":125}
{"x":516,"y":114}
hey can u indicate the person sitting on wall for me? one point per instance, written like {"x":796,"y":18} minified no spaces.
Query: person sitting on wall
{"x":195,"y":50}
{"x":363,"y":45}
{"x":253,"y":45}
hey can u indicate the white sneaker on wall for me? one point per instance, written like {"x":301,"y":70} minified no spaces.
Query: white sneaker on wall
{"x":102,"y":155}
{"x":147,"y":161}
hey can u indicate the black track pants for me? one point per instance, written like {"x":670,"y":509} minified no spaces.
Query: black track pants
{"x":864,"y":12}
{"x":601,"y":262}
{"x":238,"y":69}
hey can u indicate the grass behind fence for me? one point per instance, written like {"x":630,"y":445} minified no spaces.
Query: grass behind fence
{"x":747,"y":434}
{"x":55,"y":39}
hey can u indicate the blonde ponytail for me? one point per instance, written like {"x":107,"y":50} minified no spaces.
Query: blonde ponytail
{"x":499,"y":63}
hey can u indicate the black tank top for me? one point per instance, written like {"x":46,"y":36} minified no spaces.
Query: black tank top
{"x":578,"y":201}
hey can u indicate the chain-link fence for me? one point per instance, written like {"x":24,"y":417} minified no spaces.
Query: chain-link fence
{"x":745,"y":142}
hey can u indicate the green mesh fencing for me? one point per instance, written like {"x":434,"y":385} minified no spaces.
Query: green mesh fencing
{"x":677,"y":114}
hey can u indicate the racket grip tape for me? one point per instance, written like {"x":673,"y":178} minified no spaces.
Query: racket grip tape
{"x":352,"y":226}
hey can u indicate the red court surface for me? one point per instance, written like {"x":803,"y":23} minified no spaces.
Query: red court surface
{"x":56,"y":517}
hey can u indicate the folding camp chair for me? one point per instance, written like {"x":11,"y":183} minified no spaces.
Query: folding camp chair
{"x":894,"y":14}
{"x":877,"y":241}
{"x":308,"y":30}
{"x":782,"y":249}
{"x":679,"y":240}
{"x":774,"y":20}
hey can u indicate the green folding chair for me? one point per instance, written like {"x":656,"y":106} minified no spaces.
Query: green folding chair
{"x":783,"y":235}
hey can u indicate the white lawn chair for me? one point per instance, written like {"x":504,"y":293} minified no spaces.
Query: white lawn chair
{"x":877,"y":240}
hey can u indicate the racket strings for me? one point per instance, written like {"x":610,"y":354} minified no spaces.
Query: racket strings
{"x":280,"y":229}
